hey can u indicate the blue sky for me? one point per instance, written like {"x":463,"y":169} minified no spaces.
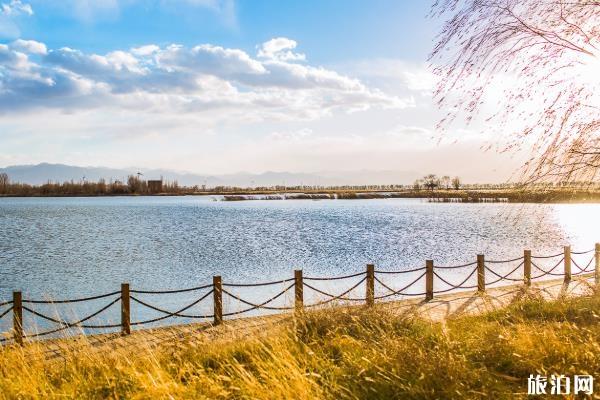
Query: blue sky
{"x":221,"y":86}
{"x":333,"y":30}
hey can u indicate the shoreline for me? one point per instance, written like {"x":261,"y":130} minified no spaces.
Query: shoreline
{"x":437,"y":196}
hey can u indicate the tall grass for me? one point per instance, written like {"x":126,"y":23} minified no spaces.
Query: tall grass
{"x":343,"y":353}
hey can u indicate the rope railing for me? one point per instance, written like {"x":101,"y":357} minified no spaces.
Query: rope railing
{"x":583,"y":252}
{"x":253,"y":306}
{"x":334,"y":297}
{"x":171,"y":291}
{"x":456,"y":266}
{"x":406,"y":271}
{"x":504,"y":261}
{"x":172,"y":313}
{"x":264,"y":304}
{"x":310,"y":278}
{"x":399,"y":291}
{"x":458,"y":286}
{"x":63,"y":325}
{"x":584,"y":269}
{"x":552,"y":256}
{"x":260,"y":284}
{"x":5,"y":312}
{"x":430,"y":273}
{"x":505,"y":276}
{"x":547,"y":272}
{"x":79,"y":300}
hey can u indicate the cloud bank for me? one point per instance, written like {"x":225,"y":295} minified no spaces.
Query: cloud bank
{"x":178,"y":79}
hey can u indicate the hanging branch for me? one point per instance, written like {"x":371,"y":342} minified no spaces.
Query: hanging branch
{"x":544,"y":55}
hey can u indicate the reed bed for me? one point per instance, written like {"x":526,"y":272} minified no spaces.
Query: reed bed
{"x":338,"y":353}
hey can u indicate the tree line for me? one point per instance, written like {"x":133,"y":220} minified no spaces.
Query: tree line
{"x":133,"y":186}
{"x":433,"y":182}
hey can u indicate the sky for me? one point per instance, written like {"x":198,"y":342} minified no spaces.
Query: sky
{"x":224,"y":86}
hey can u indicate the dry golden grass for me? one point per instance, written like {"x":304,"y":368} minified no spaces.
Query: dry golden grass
{"x":344,"y":353}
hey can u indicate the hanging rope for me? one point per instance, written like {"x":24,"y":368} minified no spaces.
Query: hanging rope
{"x":459,"y":286}
{"x":6,"y":312}
{"x":308,"y":278}
{"x":583,"y":252}
{"x":399,"y":291}
{"x":584,"y":269}
{"x":456,"y":266}
{"x":504,"y":261}
{"x":258,"y":284}
{"x":170,"y":291}
{"x":505,"y":277}
{"x":169,"y":314}
{"x":406,"y":271}
{"x":549,"y":272}
{"x":100,"y":296}
{"x":339,"y":297}
{"x":552,"y":256}
{"x":67,"y":325}
{"x":262,"y":305}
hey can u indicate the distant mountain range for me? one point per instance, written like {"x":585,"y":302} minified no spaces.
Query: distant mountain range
{"x":42,"y":173}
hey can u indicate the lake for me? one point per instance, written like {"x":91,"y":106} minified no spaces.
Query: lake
{"x":72,"y":247}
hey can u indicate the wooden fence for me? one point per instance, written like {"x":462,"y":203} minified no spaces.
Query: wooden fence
{"x":431,"y":272}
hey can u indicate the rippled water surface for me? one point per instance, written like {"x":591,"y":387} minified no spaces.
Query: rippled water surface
{"x":68,"y":247}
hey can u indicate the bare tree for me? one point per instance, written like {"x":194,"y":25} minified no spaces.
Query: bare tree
{"x":4,"y":181}
{"x":456,"y":183}
{"x":543,"y":55}
{"x":431,"y":181}
{"x":135,"y":184}
{"x":417,"y":185}
{"x":445,"y":182}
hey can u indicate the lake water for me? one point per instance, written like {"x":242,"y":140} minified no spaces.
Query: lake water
{"x":71,"y":247}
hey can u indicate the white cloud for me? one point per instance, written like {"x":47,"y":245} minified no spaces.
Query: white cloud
{"x":400,"y":75}
{"x":206,"y":58}
{"x":15,"y":7}
{"x":179,"y":79}
{"x":280,"y":48}
{"x":29,"y":46}
{"x":9,"y":15}
{"x":145,"y":50}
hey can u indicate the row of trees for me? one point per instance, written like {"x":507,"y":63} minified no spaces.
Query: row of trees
{"x":137,"y":186}
{"x":433,"y":182}
{"x":134,"y":185}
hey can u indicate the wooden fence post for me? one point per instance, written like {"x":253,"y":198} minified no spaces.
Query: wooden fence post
{"x":597,"y":269}
{"x":527,"y":267}
{"x":567,"y":263}
{"x":370,"y":295}
{"x":298,"y":291}
{"x":18,"y":317}
{"x":480,"y":273}
{"x":217,"y":300}
{"x":125,"y":310}
{"x":428,"y":280}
